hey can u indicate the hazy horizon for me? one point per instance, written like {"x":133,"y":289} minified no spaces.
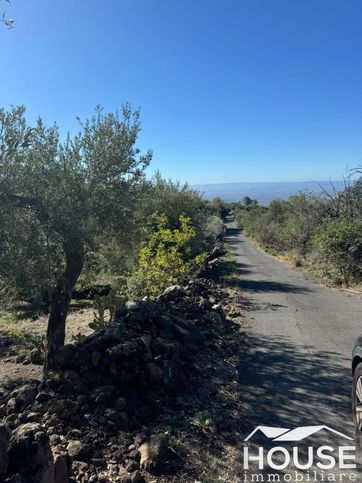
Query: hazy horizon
{"x":267,"y":191}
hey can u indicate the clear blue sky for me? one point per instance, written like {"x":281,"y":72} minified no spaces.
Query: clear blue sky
{"x":230,"y":90}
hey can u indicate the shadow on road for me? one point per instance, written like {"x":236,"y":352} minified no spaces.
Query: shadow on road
{"x":293,"y":386}
{"x":242,"y":269}
{"x":285,"y":386}
{"x":231,"y":233}
{"x":283,"y":382}
{"x":270,"y":286}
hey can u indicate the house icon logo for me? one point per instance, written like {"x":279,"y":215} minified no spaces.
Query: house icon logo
{"x":296,"y":434}
{"x":300,"y":460}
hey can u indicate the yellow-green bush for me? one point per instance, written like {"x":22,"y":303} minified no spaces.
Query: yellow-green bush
{"x":165,"y":259}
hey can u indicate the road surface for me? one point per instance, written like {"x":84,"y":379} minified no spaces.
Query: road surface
{"x":295,"y":370}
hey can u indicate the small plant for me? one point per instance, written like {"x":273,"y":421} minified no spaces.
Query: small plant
{"x":17,"y":334}
{"x":105,"y":304}
{"x":37,"y":341}
{"x":77,"y":338}
{"x":175,"y":442}
{"x":271,"y":250}
{"x":7,"y":319}
{"x":224,"y":400}
{"x":228,"y":268}
{"x":203,"y":420}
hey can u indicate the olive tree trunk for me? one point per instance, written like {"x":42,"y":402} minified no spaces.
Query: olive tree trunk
{"x":60,"y":300}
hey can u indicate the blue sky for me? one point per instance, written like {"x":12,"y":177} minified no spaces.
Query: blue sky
{"x":229,"y":90}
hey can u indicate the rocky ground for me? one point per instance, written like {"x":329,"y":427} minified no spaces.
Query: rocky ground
{"x":154,"y":398}
{"x":21,"y":341}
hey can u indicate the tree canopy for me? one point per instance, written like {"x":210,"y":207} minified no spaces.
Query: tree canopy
{"x":71,"y":191}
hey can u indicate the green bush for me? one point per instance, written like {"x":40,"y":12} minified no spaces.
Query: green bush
{"x":218,"y":208}
{"x":164,"y":259}
{"x":284,"y":224}
{"x":214,"y":228}
{"x":339,"y":244}
{"x":323,"y":233}
{"x":105,"y":305}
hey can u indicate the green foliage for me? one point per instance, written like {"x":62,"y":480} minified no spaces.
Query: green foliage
{"x":175,"y":442}
{"x":322,"y":233}
{"x":90,"y":191}
{"x":7,"y":319}
{"x":214,"y":228}
{"x":283,"y":225}
{"x":339,"y":242}
{"x":218,"y":208}
{"x":228,"y":268}
{"x":248,"y":203}
{"x":36,"y":341}
{"x":105,"y":308}
{"x":18,"y":335}
{"x":175,"y":199}
{"x":203,"y":420}
{"x":165,"y":258}
{"x":224,"y":400}
{"x":78,"y":191}
{"x":79,"y":337}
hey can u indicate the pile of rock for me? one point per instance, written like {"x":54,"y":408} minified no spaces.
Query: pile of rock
{"x":82,"y":423}
{"x":214,"y":262}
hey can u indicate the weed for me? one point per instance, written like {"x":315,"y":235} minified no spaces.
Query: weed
{"x":228,"y":267}
{"x":102,"y":304}
{"x":175,"y":442}
{"x":37,"y":341}
{"x":270,"y":250}
{"x":6,"y":319}
{"x":203,"y":420}
{"x":77,"y":338}
{"x":17,"y":334}
{"x":224,"y":400}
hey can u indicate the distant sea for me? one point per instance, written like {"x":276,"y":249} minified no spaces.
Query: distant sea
{"x":265,"y":192}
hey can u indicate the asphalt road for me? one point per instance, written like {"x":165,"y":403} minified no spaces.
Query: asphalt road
{"x":295,"y":370}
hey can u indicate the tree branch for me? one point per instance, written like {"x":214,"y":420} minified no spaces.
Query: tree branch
{"x":19,"y":201}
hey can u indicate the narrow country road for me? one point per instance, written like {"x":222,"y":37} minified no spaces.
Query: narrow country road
{"x":296,"y":368}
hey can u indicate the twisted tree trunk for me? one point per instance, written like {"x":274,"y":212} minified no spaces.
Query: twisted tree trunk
{"x":60,"y":300}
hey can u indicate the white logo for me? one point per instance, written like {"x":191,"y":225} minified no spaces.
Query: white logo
{"x":297,"y":434}
{"x":298,"y":461}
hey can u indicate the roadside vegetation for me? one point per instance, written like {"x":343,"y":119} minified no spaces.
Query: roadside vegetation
{"x":80,"y":217}
{"x":320,"y":233}
{"x":108,"y":279}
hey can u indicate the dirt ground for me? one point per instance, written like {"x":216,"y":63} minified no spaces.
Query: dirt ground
{"x":204,"y":420}
{"x":18,"y":336}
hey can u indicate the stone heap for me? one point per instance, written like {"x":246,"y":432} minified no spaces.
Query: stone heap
{"x":82,"y":423}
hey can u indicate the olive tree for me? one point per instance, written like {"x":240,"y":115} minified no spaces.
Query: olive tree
{"x":76,"y":190}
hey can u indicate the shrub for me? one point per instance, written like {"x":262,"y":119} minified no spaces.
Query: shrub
{"x":214,"y":228}
{"x":103,"y":304}
{"x":218,"y":208}
{"x":339,"y":243}
{"x":164,"y":259}
{"x":175,"y":199}
{"x":203,"y":421}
